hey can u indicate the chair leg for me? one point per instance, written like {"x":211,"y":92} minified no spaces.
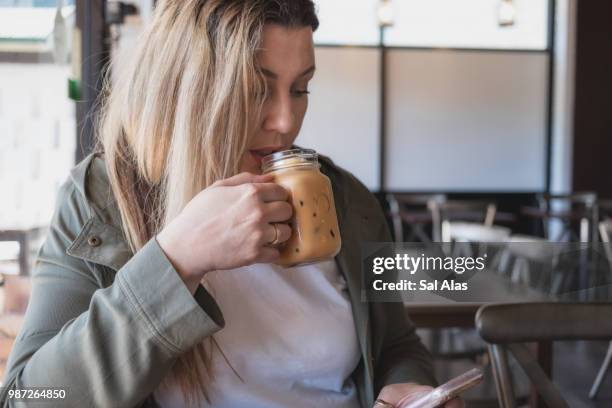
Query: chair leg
{"x":421,"y":235}
{"x":502,"y":261}
{"x":601,"y":375}
{"x":559,"y":280}
{"x":501,"y":375}
{"x":518,"y":271}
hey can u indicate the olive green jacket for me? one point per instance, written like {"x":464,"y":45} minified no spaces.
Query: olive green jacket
{"x":107,"y":325}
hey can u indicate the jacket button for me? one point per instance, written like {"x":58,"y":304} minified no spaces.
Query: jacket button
{"x":94,"y":241}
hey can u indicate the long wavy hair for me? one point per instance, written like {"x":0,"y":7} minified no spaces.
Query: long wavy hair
{"x":178,"y":116}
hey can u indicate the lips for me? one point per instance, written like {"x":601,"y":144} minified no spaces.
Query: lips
{"x":259,"y":154}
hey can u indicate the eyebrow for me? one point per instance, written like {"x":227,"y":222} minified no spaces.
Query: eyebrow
{"x":273,"y":75}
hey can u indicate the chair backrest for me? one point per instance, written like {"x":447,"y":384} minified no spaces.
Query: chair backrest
{"x":419,"y":200}
{"x":399,"y":202}
{"x":396,"y":218}
{"x":581,"y":205}
{"x":455,"y":210}
{"x":588,"y":199}
{"x":506,"y":326}
{"x":605,"y":230}
{"x":605,"y":209}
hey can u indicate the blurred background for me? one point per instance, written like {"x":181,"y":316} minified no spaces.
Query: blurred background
{"x":470,"y":120}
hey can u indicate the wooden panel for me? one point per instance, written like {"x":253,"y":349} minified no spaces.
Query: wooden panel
{"x":593,"y":121}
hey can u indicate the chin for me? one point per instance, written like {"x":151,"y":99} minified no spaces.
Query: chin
{"x":249,"y":167}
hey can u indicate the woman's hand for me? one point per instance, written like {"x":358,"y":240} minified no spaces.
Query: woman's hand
{"x":226,"y":226}
{"x":408,"y":392}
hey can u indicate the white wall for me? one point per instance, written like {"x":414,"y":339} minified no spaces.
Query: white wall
{"x":343,"y":119}
{"x":466,"y":121}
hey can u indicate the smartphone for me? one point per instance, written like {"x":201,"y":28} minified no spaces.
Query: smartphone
{"x":445,"y":392}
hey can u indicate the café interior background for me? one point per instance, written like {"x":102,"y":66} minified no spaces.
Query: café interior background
{"x":495,"y":100}
{"x":473,"y":96}
{"x":467,"y":89}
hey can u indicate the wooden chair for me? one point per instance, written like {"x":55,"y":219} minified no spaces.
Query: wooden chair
{"x":446,"y":213}
{"x":534,"y":263}
{"x":412,"y":210}
{"x":570,"y":209}
{"x":604,"y":209}
{"x":506,"y":326}
{"x":605,"y":230}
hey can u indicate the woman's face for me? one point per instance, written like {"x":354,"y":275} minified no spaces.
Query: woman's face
{"x":287,"y":61}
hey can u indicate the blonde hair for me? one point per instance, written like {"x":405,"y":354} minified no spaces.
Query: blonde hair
{"x":178,"y":116}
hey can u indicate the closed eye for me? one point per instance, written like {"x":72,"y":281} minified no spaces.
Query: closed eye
{"x":299,"y":93}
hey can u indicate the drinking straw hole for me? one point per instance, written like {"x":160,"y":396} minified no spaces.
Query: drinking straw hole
{"x":332,"y":233}
{"x":301,"y":203}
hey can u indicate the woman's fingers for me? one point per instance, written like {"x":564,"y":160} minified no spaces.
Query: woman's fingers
{"x":267,"y":255}
{"x":257,"y":185}
{"x":244,"y":178}
{"x":277,"y":211}
{"x":269,"y":192}
{"x":276,"y":233}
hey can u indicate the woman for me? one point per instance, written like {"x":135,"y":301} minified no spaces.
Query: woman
{"x":175,"y":198}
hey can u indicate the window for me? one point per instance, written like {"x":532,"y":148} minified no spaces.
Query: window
{"x":37,"y":119}
{"x":436,"y":23}
{"x":468,"y":24}
{"x":347,"y":22}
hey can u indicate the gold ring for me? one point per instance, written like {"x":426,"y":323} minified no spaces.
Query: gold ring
{"x":380,"y":403}
{"x":276,"y":234}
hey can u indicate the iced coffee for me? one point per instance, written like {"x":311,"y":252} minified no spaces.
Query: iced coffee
{"x":315,"y":235}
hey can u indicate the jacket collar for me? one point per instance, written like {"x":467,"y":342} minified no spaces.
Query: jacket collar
{"x":90,"y":179}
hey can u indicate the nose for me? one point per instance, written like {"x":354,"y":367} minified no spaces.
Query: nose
{"x":278,"y":115}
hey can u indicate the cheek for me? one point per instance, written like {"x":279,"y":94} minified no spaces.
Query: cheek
{"x":299,"y":112}
{"x":301,"y":107}
{"x":247,"y":164}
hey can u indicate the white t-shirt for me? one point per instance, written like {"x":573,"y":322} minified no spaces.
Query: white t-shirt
{"x":289,"y":335}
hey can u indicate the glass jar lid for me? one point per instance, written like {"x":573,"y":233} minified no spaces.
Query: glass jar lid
{"x":290,"y":158}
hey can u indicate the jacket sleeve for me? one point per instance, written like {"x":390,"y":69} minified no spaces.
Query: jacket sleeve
{"x":402,"y":356}
{"x":106,"y":346}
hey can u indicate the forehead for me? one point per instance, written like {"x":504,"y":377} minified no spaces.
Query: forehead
{"x":286,"y":50}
